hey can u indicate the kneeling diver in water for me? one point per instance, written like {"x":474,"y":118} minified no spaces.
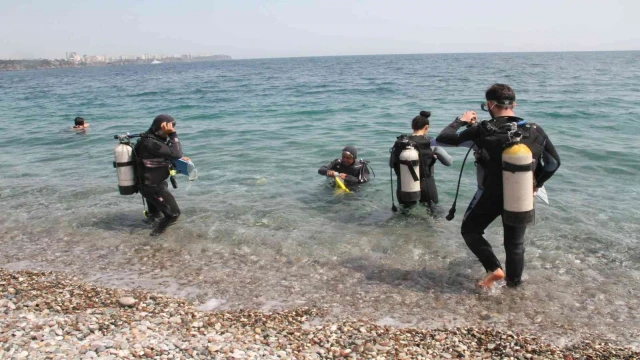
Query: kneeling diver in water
{"x":154,"y":152}
{"x":347,"y":168}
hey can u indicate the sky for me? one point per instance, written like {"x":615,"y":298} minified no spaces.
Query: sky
{"x":279,"y":28}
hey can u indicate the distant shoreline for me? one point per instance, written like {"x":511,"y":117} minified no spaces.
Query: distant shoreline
{"x":42,"y":64}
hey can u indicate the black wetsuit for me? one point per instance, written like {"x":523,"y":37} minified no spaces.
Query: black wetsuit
{"x":357,"y":173}
{"x":153,"y":157}
{"x":487,"y":204}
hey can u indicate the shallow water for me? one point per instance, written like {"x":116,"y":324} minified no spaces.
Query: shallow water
{"x":261,"y":229}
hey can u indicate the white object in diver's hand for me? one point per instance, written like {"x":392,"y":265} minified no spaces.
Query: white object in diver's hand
{"x":542,"y":195}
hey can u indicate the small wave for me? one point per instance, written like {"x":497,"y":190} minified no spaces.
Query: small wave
{"x":147,"y":93}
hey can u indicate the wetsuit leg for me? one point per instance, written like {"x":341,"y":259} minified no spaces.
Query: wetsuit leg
{"x":405,"y":206}
{"x":160,"y":198}
{"x":483,"y":209}
{"x":152,"y":211}
{"x":514,"y":248}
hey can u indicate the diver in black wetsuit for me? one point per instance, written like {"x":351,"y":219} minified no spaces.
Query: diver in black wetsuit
{"x":429,"y":152}
{"x":154,"y":152}
{"x":351,"y":170}
{"x":487,"y":204}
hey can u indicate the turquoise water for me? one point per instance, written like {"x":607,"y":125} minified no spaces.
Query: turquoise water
{"x":258,"y":130}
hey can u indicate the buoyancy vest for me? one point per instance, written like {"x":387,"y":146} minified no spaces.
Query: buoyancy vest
{"x":493,"y":141}
{"x":151,"y":169}
{"x":359,"y":169}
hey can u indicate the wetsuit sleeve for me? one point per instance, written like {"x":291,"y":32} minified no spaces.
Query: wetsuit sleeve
{"x":351,"y":180}
{"x":324,"y":168}
{"x":550,"y":161}
{"x":442,"y":156}
{"x":172,"y":150}
{"x":451,"y":136}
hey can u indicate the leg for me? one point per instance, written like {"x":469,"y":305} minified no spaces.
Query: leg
{"x":514,"y":248}
{"x":160,"y":198}
{"x":483,"y":209}
{"x":152,"y":213}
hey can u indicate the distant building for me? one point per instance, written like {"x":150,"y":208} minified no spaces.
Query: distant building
{"x":74,"y":57}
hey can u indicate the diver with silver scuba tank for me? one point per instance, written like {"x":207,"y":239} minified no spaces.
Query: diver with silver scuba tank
{"x":145,"y":167}
{"x":514,"y":158}
{"x":413,"y":158}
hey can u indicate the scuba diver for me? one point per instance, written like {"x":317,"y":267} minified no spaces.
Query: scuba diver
{"x":153,"y":155}
{"x":348,"y":168}
{"x":515,"y":158}
{"x":412,"y":159}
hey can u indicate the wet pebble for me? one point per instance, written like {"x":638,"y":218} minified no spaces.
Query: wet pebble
{"x":126,"y":301}
{"x":89,"y":326}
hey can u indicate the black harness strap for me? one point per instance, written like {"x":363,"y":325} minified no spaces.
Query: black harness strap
{"x":516,"y":168}
{"x":410,"y":164}
{"x":122,"y":164}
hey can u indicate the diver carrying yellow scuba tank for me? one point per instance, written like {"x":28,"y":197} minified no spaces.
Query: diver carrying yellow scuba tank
{"x":513,"y":158}
{"x":152,"y":161}
{"x":347,"y":171}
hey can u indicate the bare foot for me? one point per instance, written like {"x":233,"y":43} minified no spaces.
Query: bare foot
{"x":488,"y":280}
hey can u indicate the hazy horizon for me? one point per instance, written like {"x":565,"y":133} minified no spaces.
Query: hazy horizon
{"x":251,"y":29}
{"x":389,"y":54}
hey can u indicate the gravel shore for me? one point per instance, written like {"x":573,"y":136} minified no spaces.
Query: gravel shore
{"x":46,"y":315}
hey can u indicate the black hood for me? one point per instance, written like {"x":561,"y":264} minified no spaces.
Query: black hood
{"x":352,"y":150}
{"x":159,"y":120}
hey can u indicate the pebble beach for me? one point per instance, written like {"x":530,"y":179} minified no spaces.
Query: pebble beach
{"x":50,"y":315}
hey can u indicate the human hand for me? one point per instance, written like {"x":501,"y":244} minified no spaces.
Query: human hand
{"x":167,"y":128}
{"x":331,"y":173}
{"x":343,"y":176}
{"x":185,"y":158}
{"x":469,"y":117}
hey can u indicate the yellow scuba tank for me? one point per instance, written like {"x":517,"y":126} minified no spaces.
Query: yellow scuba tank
{"x":339,"y":184}
{"x":517,"y":182}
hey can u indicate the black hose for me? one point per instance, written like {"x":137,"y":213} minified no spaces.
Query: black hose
{"x":393,"y":204}
{"x":452,"y":211}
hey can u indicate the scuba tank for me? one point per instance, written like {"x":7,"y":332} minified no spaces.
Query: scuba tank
{"x":517,"y":180}
{"x":125,"y":165}
{"x":340,"y":184}
{"x":409,"y":170}
{"x":405,"y":159}
{"x":517,"y":175}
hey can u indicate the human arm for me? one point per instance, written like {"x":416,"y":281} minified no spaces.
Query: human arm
{"x":171,"y":149}
{"x":327,"y":170}
{"x":361,"y":177}
{"x":451,"y":136}
{"x":442,"y":156}
{"x":550,"y":161}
